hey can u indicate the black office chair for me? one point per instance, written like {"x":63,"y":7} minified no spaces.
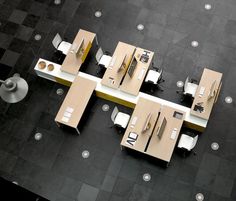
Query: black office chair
{"x":58,"y":57}
{"x":154,"y":79}
{"x":189,"y":89}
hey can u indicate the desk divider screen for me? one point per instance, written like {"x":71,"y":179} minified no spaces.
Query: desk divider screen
{"x":161,"y":129}
{"x":147,"y":124}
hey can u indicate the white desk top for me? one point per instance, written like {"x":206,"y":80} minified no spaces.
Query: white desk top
{"x":122,"y":95}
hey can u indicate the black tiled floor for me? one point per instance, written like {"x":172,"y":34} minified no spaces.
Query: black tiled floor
{"x":17,"y":45}
{"x":17,"y":16}
{"x":10,"y":58}
{"x":10,"y":28}
{"x":31,"y":20}
{"x":24,"y":33}
{"x":2,"y":51}
{"x":54,"y":167}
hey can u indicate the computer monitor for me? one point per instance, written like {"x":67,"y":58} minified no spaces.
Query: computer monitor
{"x":161,"y":129}
{"x":132,"y":66}
{"x":147,"y":123}
{"x":122,"y":65}
{"x":80,"y":47}
{"x":212,"y":90}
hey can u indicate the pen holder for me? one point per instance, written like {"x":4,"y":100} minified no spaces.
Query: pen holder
{"x":50,"y":67}
{"x":42,"y":65}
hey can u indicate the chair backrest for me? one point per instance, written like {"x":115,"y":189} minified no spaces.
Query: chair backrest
{"x":114,"y":113}
{"x":194,"y":141}
{"x":186,"y":83}
{"x":56,"y":40}
{"x":99,"y":54}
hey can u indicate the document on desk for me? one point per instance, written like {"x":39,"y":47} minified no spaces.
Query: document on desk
{"x":113,"y":60}
{"x":131,"y":140}
{"x":67,"y":114}
{"x":173,"y":134}
{"x":65,"y":119}
{"x":69,"y":109}
{"x":141,"y":73}
{"x":134,"y":120}
{"x":201,"y":92}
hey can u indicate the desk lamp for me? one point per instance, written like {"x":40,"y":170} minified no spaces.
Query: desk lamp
{"x":13,"y":89}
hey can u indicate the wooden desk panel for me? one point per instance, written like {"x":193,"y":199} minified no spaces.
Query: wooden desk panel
{"x":206,"y":81}
{"x":132,"y":84}
{"x":112,"y":78}
{"x":163,"y":147}
{"x":141,"y":111}
{"x":77,"y":98}
{"x":72,"y":62}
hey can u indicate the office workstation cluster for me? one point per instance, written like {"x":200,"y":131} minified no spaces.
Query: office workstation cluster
{"x":154,"y":127}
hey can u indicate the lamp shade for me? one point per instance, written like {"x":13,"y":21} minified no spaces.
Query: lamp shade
{"x":14,"y":89}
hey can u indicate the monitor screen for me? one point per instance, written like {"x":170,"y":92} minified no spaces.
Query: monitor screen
{"x":132,"y":66}
{"x":161,"y":129}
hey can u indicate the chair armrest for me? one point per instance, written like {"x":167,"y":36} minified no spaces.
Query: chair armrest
{"x":194,"y":81}
{"x":107,"y":53}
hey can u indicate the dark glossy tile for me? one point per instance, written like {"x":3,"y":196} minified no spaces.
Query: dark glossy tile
{"x":6,"y":11}
{"x":140,"y":193}
{"x":187,"y":173}
{"x":210,"y":163}
{"x":108,"y":183}
{"x":226,"y":169}
{"x":9,"y":28}
{"x":88,"y":192}
{"x":5,"y":40}
{"x":223,"y":186}
{"x":123,"y":187}
{"x":24,"y":5}
{"x":45,"y":152}
{"x":10,"y":58}
{"x":2,"y":51}
{"x":17,"y":45}
{"x":17,"y":16}
{"x":181,"y":190}
{"x":44,"y":25}
{"x":205,"y":179}
{"x":24,"y":32}
{"x":38,"y":9}
{"x":94,"y":177}
{"x":215,"y":197}
{"x":8,"y":161}
{"x":71,"y":188}
{"x":31,"y":20}
{"x":103,"y":196}
{"x":115,"y":166}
